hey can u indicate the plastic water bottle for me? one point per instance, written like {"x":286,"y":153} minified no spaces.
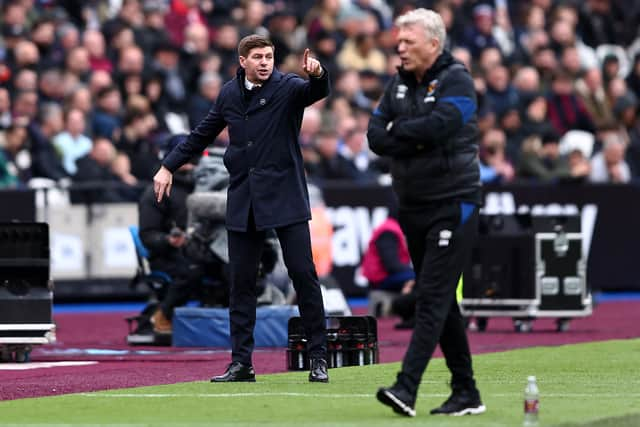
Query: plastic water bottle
{"x":531,"y":402}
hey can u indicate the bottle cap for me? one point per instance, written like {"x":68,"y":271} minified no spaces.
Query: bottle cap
{"x":531,"y":378}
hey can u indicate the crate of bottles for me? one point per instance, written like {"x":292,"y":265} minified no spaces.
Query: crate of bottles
{"x":351,"y":341}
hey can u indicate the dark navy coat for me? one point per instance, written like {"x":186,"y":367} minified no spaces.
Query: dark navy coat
{"x":263,"y":158}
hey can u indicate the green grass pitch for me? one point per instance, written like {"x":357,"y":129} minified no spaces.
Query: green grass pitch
{"x":595,"y":384}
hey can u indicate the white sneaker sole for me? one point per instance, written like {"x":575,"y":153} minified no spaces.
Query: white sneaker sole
{"x":407,"y":410}
{"x":470,"y":411}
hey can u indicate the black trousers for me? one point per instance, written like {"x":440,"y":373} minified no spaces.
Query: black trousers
{"x":440,"y":238}
{"x":186,"y":277}
{"x":245,"y":249}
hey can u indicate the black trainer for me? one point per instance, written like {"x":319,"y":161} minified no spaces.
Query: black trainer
{"x":400,"y":400}
{"x":461,"y":402}
{"x":236,"y":372}
{"x":318,"y":372}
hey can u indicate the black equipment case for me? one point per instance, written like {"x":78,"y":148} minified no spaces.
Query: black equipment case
{"x":524,"y":267}
{"x":26,"y":290}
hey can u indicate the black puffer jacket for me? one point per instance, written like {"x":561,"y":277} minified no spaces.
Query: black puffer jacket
{"x":429,"y":129}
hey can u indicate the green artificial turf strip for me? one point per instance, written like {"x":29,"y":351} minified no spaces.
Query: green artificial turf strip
{"x":579,"y":384}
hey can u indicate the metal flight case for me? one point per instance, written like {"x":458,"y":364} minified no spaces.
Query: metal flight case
{"x":26,"y":291}
{"x":525,"y":267}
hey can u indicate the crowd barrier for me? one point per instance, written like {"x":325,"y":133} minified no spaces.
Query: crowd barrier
{"x":91,"y":242}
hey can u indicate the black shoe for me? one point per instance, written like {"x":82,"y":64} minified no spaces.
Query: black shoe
{"x":236,"y":372}
{"x":318,"y":373}
{"x":400,"y":400}
{"x":461,"y":402}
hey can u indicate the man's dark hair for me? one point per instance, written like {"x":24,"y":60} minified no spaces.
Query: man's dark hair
{"x":251,"y":42}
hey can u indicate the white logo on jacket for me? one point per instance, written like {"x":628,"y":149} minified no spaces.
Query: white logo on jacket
{"x":445,"y":236}
{"x":401,"y":91}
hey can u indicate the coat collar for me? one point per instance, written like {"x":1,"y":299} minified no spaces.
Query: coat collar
{"x":267,"y":90}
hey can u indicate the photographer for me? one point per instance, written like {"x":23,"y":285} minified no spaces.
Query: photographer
{"x":163,"y":232}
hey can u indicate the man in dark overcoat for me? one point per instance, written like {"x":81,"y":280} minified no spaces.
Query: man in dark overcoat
{"x":263,"y":110}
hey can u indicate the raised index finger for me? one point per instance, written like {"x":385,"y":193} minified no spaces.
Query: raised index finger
{"x":306,"y":56}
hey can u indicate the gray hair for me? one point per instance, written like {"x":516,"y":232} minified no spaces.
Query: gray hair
{"x":429,"y":20}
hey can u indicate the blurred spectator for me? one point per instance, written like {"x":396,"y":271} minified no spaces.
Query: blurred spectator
{"x":566,"y":111}
{"x":46,"y":162}
{"x":610,"y":67}
{"x":80,"y":99}
{"x":15,"y":152}
{"x":535,"y":117}
{"x":253,"y":17}
{"x":591,"y":91}
{"x":326,"y":51}
{"x":77,"y":63}
{"x":166,"y":58}
{"x":72,"y":143}
{"x":490,"y":58}
{"x":626,"y":111}
{"x":609,"y":165}
{"x":5,"y":108}
{"x":360,"y":53}
{"x":527,"y":84}
{"x":633,"y":79}
{"x":563,"y":35}
{"x":25,"y":105}
{"x":570,"y":61}
{"x":209,"y":85}
{"x":194,"y":49}
{"x":330,"y":164}
{"x":25,"y":55}
{"x":25,"y":79}
{"x":43,"y":34}
{"x":495,"y":167}
{"x":136,"y":144}
{"x":50,"y":86}
{"x":602,"y":22}
{"x":105,"y":120}
{"x":355,"y":152}
{"x":94,"y":43}
{"x":153,"y":27}
{"x":129,"y":16}
{"x":480,"y":35}
{"x":95,"y":170}
{"x":616,"y":88}
{"x":322,"y":18}
{"x":225,"y":45}
{"x":541,"y":159}
{"x":501,"y":95}
{"x":463,"y":55}
{"x":130,"y":60}
{"x":288,"y":37}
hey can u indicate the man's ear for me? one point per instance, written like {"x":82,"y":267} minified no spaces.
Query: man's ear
{"x":242,"y":60}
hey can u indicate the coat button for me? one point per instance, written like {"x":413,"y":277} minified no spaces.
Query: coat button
{"x":249,"y":143}
{"x":251,"y":170}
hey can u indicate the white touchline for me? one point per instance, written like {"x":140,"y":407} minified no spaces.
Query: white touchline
{"x":39,"y":365}
{"x":332,"y":396}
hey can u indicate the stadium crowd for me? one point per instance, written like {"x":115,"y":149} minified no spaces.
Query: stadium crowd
{"x":90,"y":91}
